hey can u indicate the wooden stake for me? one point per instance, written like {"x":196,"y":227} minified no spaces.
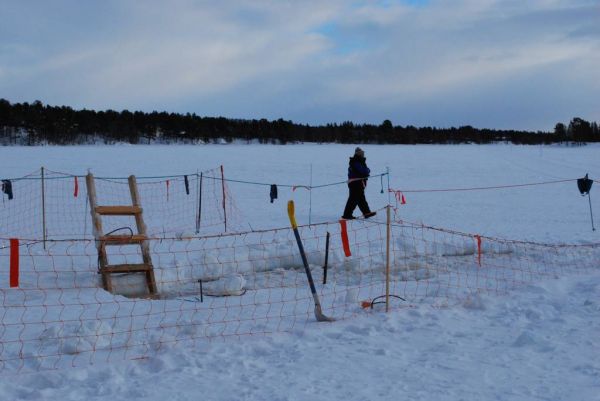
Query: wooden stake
{"x":387,"y":171}
{"x":91,"y":191}
{"x":387,"y":260}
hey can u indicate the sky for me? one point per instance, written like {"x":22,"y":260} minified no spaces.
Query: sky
{"x":487,"y":63}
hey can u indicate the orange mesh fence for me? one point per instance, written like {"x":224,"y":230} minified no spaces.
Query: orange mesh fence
{"x":22,"y":215}
{"x":445,"y":267}
{"x":57,"y":207}
{"x":214,"y":287}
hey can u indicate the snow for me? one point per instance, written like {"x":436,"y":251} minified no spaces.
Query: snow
{"x":537,"y":341}
{"x":546,"y":213}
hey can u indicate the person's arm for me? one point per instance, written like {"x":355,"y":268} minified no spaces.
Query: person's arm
{"x":361,"y":169}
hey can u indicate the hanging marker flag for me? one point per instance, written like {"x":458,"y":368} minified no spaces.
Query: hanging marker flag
{"x":76,"y":191}
{"x":167,"y":190}
{"x":399,"y":196}
{"x":187,"y":184}
{"x":14,"y":262}
{"x":273,"y":193}
{"x":345,"y":243}
{"x":478,"y":238}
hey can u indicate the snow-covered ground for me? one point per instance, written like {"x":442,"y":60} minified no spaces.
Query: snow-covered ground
{"x":546,"y":213}
{"x":537,"y":342}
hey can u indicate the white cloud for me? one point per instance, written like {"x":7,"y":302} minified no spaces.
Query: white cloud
{"x":195,"y":56}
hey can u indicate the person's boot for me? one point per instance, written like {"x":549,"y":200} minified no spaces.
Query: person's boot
{"x":370,"y":214}
{"x":348,"y":217}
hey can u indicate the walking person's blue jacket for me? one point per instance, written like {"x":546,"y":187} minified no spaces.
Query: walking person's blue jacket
{"x":357,"y":167}
{"x":358,"y":174}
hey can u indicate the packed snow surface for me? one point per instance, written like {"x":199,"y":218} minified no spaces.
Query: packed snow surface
{"x":544,"y":213}
{"x":538,"y":343}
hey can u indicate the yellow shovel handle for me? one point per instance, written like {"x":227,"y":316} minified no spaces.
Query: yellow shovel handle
{"x":291,"y":214}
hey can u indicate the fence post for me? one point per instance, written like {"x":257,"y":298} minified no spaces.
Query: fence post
{"x":387,"y":171}
{"x":326,"y":259}
{"x":199,"y":194}
{"x":43,"y":209}
{"x":310,"y":198}
{"x":224,"y":204}
{"x":387,"y":260}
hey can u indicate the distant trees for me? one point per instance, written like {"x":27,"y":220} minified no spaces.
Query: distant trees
{"x":580,"y":130}
{"x":560,"y":131}
{"x":35,"y":123}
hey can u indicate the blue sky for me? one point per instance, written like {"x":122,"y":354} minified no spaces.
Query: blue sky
{"x":487,"y":63}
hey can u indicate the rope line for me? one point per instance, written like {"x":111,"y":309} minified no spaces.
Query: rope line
{"x":483,"y":188}
{"x":294,"y":186}
{"x":181,"y":176}
{"x":309,"y":187}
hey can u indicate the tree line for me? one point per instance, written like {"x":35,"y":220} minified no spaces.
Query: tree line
{"x":36,"y":123}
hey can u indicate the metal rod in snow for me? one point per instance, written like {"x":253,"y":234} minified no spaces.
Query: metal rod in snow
{"x":310,"y":197}
{"x":326,"y":259}
{"x":387,"y":259}
{"x":43,"y":209}
{"x":224,"y":204}
{"x":591,"y":214}
{"x":199,"y":199}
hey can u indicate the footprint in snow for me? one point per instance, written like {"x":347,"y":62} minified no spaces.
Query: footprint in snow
{"x":527,"y":339}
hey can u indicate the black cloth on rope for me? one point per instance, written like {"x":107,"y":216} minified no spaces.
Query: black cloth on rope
{"x":273,"y":193}
{"x":7,"y":188}
{"x":584,"y":184}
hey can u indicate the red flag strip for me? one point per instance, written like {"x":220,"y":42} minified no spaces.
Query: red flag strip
{"x":14,"y":262}
{"x":345,"y":242}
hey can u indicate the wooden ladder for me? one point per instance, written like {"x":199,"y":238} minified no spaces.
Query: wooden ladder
{"x":102,"y":240}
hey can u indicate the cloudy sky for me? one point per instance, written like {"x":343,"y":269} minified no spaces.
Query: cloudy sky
{"x":487,"y":63}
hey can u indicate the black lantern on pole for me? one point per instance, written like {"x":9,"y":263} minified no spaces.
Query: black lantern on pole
{"x":585,"y":185}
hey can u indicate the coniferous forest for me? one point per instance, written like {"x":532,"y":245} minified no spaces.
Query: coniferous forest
{"x":39,"y":124}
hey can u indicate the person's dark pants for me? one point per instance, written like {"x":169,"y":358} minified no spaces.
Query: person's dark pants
{"x":356,"y":198}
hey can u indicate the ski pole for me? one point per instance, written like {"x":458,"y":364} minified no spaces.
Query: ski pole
{"x":318,"y":312}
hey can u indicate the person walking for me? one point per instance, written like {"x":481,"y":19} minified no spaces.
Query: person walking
{"x":358,"y":174}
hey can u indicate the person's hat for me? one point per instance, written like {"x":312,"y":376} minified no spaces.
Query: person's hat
{"x":359,"y":152}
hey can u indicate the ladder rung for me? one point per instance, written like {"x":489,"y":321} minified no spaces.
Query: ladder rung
{"x":126,"y":268}
{"x":123,"y":239}
{"x":118,"y":210}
